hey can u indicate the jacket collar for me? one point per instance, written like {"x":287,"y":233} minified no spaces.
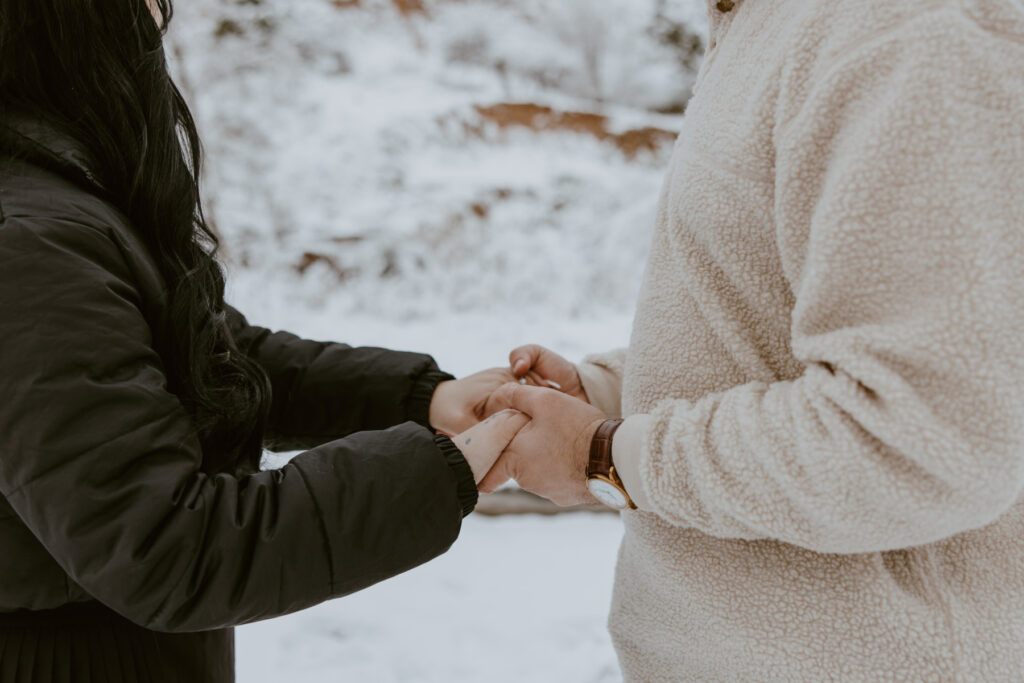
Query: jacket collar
{"x":40,"y":143}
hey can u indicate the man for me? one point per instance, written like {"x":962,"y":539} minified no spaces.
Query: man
{"x":824,"y":391}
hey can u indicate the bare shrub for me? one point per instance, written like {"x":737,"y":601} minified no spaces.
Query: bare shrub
{"x":583,"y":25}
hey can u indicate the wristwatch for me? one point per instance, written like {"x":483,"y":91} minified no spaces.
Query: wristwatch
{"x":602,"y":479}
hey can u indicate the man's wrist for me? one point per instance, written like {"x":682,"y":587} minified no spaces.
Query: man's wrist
{"x":602,"y":479}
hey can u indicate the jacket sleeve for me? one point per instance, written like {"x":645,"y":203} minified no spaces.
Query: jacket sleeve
{"x":102,"y":464}
{"x":601,"y":376}
{"x":906,"y":164}
{"x":323,"y":390}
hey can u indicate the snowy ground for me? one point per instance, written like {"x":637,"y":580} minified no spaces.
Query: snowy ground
{"x":516,"y":599}
{"x":364,"y":195}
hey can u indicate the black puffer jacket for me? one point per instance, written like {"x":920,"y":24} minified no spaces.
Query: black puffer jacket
{"x":102,"y":494}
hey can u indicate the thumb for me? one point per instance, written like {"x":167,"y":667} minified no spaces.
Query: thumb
{"x":500,"y":399}
{"x":524,"y":358}
{"x":483,"y":444}
{"x":504,"y":428}
{"x":522,"y":397}
{"x":500,"y":473}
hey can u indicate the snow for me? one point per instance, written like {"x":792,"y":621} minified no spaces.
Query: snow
{"x":349,"y":136}
{"x":362,"y":197}
{"x":516,"y":599}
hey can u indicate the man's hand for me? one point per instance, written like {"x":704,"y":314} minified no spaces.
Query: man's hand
{"x":545,"y":368}
{"x":549,"y":455}
{"x":459,"y":404}
{"x":484,"y":443}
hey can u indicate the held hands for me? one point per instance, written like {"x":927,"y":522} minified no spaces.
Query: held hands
{"x":537,"y":424}
{"x":549,"y":455}
{"x":460,"y":404}
{"x":483,"y":444}
{"x":466,"y":407}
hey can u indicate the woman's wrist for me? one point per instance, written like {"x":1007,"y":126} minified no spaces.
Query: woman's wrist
{"x":467,"y":491}
{"x":423,"y":394}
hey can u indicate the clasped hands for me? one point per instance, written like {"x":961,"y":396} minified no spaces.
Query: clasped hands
{"x":531,"y":422}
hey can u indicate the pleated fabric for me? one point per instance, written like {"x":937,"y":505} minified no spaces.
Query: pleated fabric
{"x":89,"y":643}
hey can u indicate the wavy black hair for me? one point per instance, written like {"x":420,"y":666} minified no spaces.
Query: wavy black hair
{"x":95,"y":70}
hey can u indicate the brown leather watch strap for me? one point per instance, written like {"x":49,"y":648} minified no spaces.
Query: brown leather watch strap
{"x":601,"y":448}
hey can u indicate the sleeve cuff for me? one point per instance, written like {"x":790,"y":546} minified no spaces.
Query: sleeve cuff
{"x":468,"y":493}
{"x":627,"y":449}
{"x":422,"y":393}
{"x":603,"y":387}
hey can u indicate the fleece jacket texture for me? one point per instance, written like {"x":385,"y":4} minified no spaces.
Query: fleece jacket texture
{"x":824,"y":389}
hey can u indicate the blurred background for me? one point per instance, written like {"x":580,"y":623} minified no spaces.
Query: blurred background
{"x":456,"y":177}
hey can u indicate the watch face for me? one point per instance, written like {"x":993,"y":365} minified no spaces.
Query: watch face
{"x":607,"y":493}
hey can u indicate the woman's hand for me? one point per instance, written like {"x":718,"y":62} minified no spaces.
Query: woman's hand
{"x":459,"y":404}
{"x":483,"y":444}
{"x":545,"y":368}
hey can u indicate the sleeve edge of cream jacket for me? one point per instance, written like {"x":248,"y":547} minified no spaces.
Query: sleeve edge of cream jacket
{"x":601,"y":377}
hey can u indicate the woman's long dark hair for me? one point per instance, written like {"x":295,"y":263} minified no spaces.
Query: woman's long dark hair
{"x":95,"y":70}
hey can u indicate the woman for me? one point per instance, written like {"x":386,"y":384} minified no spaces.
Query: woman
{"x":135,"y":527}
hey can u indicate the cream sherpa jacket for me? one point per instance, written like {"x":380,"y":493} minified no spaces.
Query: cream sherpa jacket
{"x":825,"y":383}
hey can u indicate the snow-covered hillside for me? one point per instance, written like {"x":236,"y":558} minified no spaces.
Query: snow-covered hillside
{"x":357,"y":160}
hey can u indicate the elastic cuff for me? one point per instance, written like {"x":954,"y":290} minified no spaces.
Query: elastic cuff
{"x":468,"y":493}
{"x":627,"y":449}
{"x":422,"y":393}
{"x":603,"y":387}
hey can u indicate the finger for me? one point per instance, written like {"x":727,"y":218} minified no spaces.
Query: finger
{"x":490,"y":427}
{"x":524,"y":398}
{"x":505,"y":426}
{"x":501,"y":426}
{"x":498,"y":375}
{"x":487,"y":382}
{"x":497,"y":476}
{"x":523,"y":358}
{"x":533,"y":378}
{"x":498,"y":431}
{"x":497,"y":401}
{"x":538,"y":380}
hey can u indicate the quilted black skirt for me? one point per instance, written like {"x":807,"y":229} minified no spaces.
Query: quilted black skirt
{"x":89,"y":643}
